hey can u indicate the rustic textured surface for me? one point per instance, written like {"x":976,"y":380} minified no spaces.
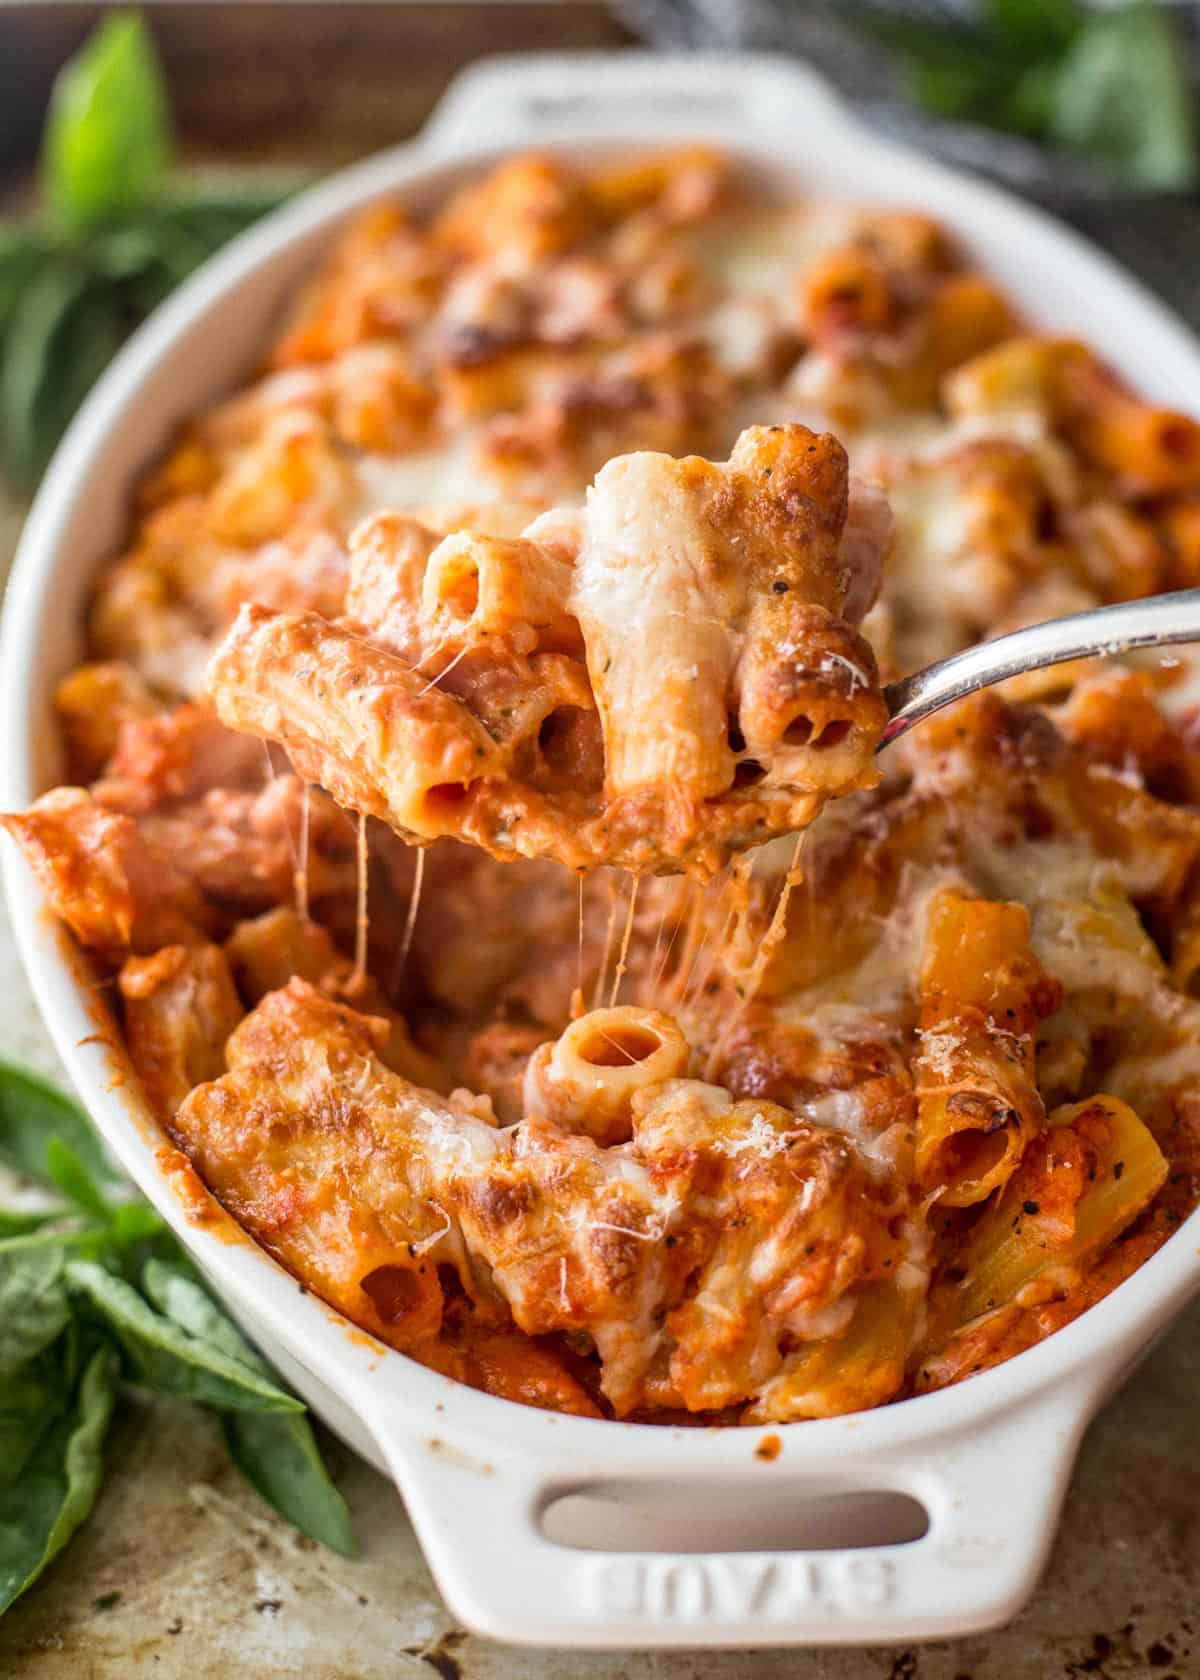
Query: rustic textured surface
{"x":208,"y":1582}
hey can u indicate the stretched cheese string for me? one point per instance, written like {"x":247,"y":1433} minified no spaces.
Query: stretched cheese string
{"x":621,"y":960}
{"x":358,"y":978}
{"x":617,"y":1046}
{"x":272,"y":776}
{"x":706,"y":906}
{"x":730,"y":887}
{"x":660,"y":970}
{"x":446,"y":670}
{"x":410,"y":921}
{"x":579,"y":956}
{"x":301,"y":873}
{"x":691,"y":940}
{"x":776,"y":929}
{"x":598,"y":989}
{"x":658,"y":940}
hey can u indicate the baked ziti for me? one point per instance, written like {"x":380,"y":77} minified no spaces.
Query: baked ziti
{"x":472,"y":805}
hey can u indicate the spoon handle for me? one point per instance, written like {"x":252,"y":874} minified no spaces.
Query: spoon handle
{"x":1155,"y":622}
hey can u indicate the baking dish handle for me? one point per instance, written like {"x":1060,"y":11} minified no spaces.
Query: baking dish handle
{"x":523,"y":99}
{"x":992,"y":1496}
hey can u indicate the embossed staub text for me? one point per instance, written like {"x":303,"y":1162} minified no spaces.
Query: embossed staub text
{"x":720,"y":1589}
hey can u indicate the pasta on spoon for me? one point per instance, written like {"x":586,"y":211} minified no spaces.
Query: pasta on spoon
{"x":666,"y":677}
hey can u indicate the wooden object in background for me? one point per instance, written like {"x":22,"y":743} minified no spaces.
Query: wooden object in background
{"x":291,"y":82}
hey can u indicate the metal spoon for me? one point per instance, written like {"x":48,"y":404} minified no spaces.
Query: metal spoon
{"x":1157,"y":621}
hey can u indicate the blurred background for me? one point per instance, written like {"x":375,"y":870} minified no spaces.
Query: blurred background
{"x":132,"y":143}
{"x":1063,"y":96}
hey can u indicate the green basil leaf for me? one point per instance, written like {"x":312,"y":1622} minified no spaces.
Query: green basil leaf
{"x":218,"y":211}
{"x":1028,"y":106}
{"x":148,"y":257}
{"x":107,"y":144}
{"x":33,"y":368}
{"x":951,"y":90}
{"x":154,"y":285}
{"x":76,"y":1347}
{"x":181,"y":251}
{"x":67,"y":328}
{"x":242,"y":197}
{"x":30,"y":1400}
{"x":69,"y":1175}
{"x":1033,"y":28}
{"x":279,"y":1456}
{"x":55,"y":1492}
{"x":133,"y":1235}
{"x":14,"y":1223}
{"x":24,"y":252}
{"x":160,"y":244}
{"x":34,"y":1308}
{"x":161,"y":1356}
{"x":953,"y":69}
{"x":136,"y":1222}
{"x":32,"y":1113}
{"x":1123,"y":97}
{"x":174,"y":1287}
{"x":132,"y":261}
{"x":124,"y":251}
{"x":56,"y":1235}
{"x":922,"y":41}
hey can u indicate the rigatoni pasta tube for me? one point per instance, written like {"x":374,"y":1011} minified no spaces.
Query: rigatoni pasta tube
{"x":711,"y":597}
{"x":1019,"y":378}
{"x":656,"y":597}
{"x":478,"y":587}
{"x":1094,"y":1170}
{"x":388,"y":556}
{"x":806,"y":684}
{"x":966,"y":314}
{"x":1154,"y":451}
{"x":180,"y":1006}
{"x":983,"y":992}
{"x":861,"y":1367}
{"x":337,"y":1191}
{"x":846,"y":291}
{"x":352,"y":717}
{"x":587,"y":1079}
{"x":809,"y":699}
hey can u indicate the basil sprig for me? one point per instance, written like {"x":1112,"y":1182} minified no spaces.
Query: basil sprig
{"x":95,"y":1293}
{"x":1109,"y":83}
{"x":116,"y":234}
{"x":277,"y":1452}
{"x":58,"y":1483}
{"x":108,"y":130}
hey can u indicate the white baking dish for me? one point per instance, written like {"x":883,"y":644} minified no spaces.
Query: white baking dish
{"x":716,"y":1525}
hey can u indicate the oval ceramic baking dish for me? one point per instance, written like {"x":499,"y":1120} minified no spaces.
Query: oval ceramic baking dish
{"x":711,"y":1519}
